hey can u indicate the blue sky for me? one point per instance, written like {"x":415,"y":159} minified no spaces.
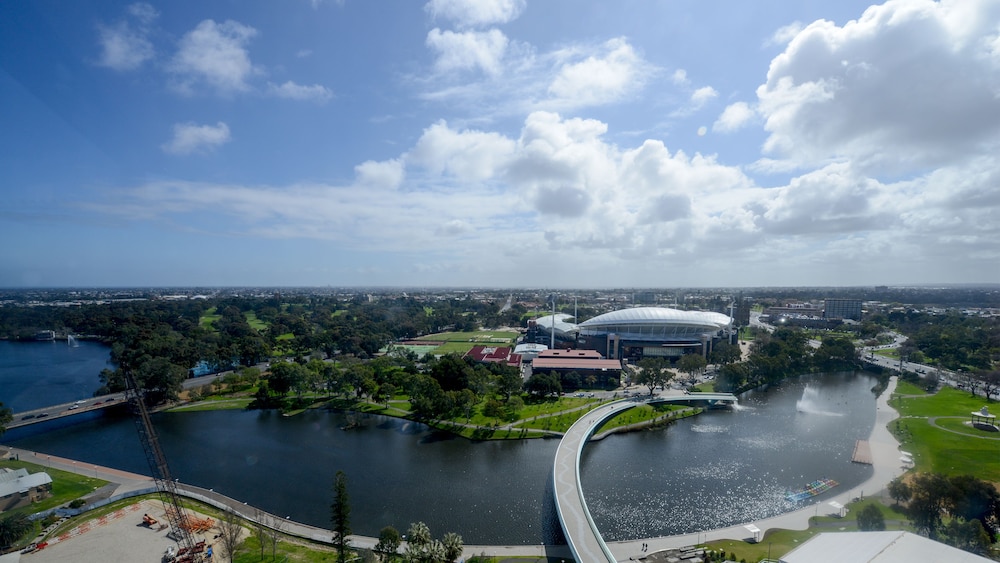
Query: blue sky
{"x":499,"y":143}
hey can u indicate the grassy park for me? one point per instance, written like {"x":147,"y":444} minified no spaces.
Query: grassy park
{"x":935,"y":429}
{"x":462,"y":342}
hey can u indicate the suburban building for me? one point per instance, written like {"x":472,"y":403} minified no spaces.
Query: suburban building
{"x":493,"y":355}
{"x":579,"y":368}
{"x":20,"y":488}
{"x":842,"y":309}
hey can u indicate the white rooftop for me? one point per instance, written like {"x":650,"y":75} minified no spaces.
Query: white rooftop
{"x":877,"y":547}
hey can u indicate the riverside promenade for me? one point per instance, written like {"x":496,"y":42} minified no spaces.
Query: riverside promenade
{"x":885,"y":458}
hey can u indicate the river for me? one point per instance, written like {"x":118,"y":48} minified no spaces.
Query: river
{"x":717,"y":469}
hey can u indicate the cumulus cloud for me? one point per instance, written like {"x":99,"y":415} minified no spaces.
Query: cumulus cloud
{"x":214,"y":55}
{"x":561,"y":188}
{"x":191,"y":137}
{"x":126,"y":45}
{"x":702,"y":95}
{"x":600,"y":79}
{"x":470,"y":50}
{"x":466,"y":155}
{"x":733,"y":118}
{"x":385,"y":175}
{"x":909,"y":85}
{"x":479,"y":13}
{"x":293,"y":91}
{"x":784,"y":34}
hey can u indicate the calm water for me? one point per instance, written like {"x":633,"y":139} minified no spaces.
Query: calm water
{"x":717,"y":469}
{"x":39,"y":374}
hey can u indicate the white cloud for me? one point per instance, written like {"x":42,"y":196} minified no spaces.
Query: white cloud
{"x":467,"y":50}
{"x":124,"y":45}
{"x":784,"y":34}
{"x":600,"y":79}
{"x":143,"y":12}
{"x":466,"y":155}
{"x":909,"y":85}
{"x":303,"y":53}
{"x":680,"y":77}
{"x":560,"y":188}
{"x":214,"y":55}
{"x":293,"y":91}
{"x":123,"y":48}
{"x":385,"y":175}
{"x":734,"y":117}
{"x":702,"y":95}
{"x":191,"y":137}
{"x":476,"y":13}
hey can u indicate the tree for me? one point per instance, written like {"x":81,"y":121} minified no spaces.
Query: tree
{"x":991,"y":383}
{"x":932,"y":494}
{"x":6,"y":415}
{"x":725,"y":353}
{"x":691,"y":363}
{"x":871,"y":519}
{"x":230,"y":533}
{"x":388,"y":542}
{"x":13,"y":527}
{"x":899,"y":490}
{"x":453,"y":546}
{"x":543,"y":384}
{"x":654,"y":373}
{"x":260,"y":529}
{"x":340,"y":515}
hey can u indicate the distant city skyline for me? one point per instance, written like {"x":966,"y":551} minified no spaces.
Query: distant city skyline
{"x":499,"y":143}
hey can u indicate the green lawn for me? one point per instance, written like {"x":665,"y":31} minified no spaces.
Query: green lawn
{"x":208,"y":318}
{"x":254,"y":322}
{"x":480,"y":337}
{"x":888,"y":353}
{"x":65,"y":486}
{"x":962,"y":450}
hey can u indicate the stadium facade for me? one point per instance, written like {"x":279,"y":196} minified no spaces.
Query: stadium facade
{"x":642,"y":332}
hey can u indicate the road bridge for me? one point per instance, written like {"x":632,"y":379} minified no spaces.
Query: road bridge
{"x":584,"y":538}
{"x":64,"y":410}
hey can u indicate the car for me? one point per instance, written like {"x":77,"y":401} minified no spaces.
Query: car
{"x":74,"y":407}
{"x":43,"y":415}
{"x":27,"y":417}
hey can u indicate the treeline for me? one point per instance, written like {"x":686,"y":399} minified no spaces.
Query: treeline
{"x":161,"y":341}
{"x":960,"y":510}
{"x":783,"y":353}
{"x":952,"y":340}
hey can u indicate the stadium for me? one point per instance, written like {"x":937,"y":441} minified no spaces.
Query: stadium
{"x":641,"y":332}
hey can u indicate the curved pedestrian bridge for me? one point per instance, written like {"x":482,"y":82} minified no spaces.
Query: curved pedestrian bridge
{"x":584,"y":538}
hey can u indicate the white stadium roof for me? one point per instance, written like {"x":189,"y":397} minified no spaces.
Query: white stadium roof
{"x":658,"y":316}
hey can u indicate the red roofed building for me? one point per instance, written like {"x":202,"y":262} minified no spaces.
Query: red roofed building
{"x":494,"y":354}
{"x":586,"y":363}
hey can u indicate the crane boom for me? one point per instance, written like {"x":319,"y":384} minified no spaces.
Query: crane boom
{"x":166,"y":486}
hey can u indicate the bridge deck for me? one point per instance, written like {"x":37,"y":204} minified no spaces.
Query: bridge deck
{"x":584,"y":538}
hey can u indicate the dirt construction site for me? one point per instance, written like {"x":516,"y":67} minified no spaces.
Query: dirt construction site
{"x":137,"y":532}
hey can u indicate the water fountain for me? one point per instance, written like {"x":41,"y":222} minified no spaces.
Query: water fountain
{"x":810,"y":403}
{"x":71,"y":341}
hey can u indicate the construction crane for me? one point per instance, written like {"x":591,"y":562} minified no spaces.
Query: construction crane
{"x":166,"y":486}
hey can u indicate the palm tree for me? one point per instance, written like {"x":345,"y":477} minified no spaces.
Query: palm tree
{"x":453,"y":546}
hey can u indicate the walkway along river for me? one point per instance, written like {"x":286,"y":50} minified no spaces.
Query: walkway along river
{"x":719,"y":469}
